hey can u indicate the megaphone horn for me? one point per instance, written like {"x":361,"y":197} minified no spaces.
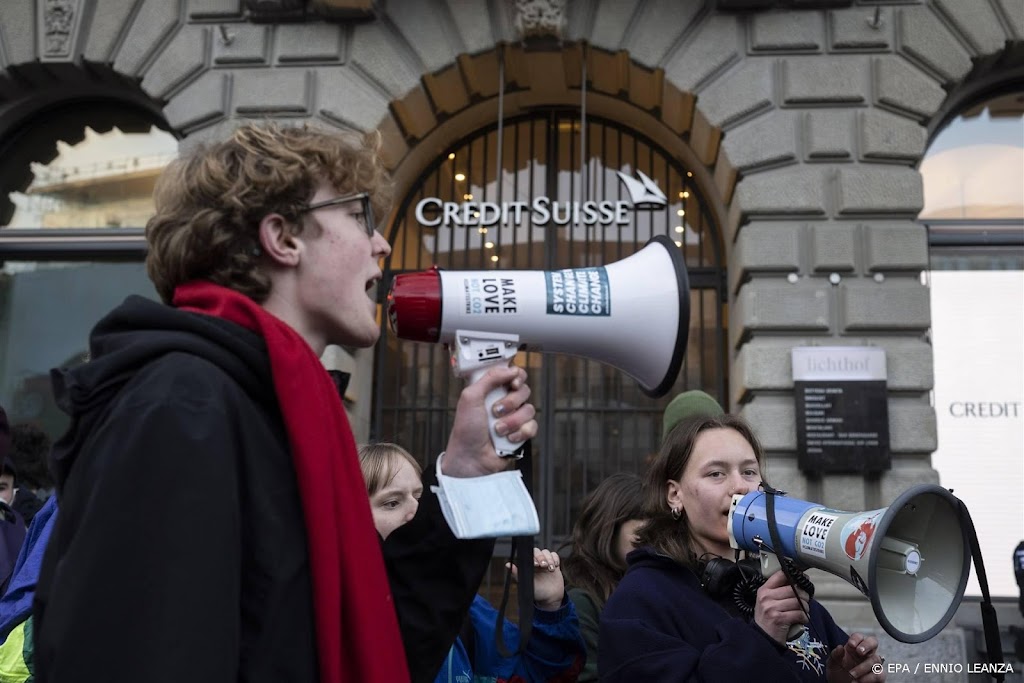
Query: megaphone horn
{"x":912,"y":559}
{"x":633,"y":314}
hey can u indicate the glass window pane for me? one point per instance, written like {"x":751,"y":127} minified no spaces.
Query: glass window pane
{"x":985,"y":258}
{"x":46,"y":313}
{"x":975,"y":166}
{"x":104,"y":181}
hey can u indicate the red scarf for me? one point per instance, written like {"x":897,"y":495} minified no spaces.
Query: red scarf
{"x":356,"y":627}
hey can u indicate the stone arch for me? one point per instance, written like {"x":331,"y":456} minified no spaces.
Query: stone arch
{"x":75,"y":63}
{"x":463,"y":96}
{"x":991,"y":76}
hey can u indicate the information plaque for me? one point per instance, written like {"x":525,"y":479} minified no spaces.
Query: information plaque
{"x":842,"y":414}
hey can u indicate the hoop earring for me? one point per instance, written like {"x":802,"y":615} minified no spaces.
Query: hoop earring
{"x":676,"y":514}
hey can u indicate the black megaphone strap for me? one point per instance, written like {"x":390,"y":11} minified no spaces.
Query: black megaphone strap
{"x":989,"y":622}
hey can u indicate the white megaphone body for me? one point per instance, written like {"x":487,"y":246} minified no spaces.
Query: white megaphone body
{"x":633,"y":314}
{"x":911,"y":559}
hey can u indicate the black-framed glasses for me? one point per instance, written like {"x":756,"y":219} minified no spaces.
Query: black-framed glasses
{"x":365,"y":218}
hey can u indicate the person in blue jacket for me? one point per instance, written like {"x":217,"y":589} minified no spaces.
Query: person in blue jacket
{"x":662,"y":625}
{"x":17,"y":662}
{"x":555,"y":651}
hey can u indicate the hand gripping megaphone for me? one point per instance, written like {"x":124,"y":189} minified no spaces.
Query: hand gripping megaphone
{"x":911,"y":559}
{"x":633,"y":314}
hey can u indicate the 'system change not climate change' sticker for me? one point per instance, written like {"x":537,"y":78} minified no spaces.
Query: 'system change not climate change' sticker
{"x":578,"y":291}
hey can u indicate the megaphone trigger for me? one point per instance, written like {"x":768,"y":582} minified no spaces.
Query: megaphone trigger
{"x":770,"y":564}
{"x":472,"y":355}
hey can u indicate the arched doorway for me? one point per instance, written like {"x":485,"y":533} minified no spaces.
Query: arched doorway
{"x":594,"y":419}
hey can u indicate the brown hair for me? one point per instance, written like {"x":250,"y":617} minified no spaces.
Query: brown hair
{"x":670,"y":536}
{"x":209,"y":203}
{"x":593,"y":564}
{"x":380,"y":463}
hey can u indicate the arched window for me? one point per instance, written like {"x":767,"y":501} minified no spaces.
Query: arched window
{"x":974,"y":209}
{"x":105,"y":180}
{"x":75,"y":191}
{"x":973,"y":177}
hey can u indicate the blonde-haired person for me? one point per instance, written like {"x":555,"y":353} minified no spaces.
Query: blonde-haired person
{"x":555,"y":651}
{"x":393,"y":482}
{"x":660,"y":624}
{"x":266,"y":565}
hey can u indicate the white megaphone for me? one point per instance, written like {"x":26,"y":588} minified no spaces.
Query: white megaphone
{"x":912,"y":559}
{"x":633,"y":314}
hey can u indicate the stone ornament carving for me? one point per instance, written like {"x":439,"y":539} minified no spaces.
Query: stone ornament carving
{"x":543,"y":19}
{"x":58,"y":21}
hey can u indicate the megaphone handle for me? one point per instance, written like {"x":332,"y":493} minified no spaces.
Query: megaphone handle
{"x":769,"y":565}
{"x":473,"y":353}
{"x":502,"y":446}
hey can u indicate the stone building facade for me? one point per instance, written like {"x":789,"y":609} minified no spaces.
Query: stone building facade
{"x":802,"y":122}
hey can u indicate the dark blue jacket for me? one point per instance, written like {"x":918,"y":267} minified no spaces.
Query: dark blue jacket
{"x":660,"y":625}
{"x":555,"y":651}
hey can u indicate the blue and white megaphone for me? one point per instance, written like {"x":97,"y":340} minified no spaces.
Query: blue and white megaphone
{"x":911,"y":559}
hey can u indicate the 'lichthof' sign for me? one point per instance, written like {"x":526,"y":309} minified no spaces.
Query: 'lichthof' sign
{"x":842,"y":414}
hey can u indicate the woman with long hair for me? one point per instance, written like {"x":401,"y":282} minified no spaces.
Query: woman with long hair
{"x":663,"y":623}
{"x":604,"y":533}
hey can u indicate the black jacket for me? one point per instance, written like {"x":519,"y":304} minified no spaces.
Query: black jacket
{"x":180,"y":552}
{"x":660,"y":625}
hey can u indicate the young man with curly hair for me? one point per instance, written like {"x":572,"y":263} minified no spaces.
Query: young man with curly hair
{"x":213,"y":522}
